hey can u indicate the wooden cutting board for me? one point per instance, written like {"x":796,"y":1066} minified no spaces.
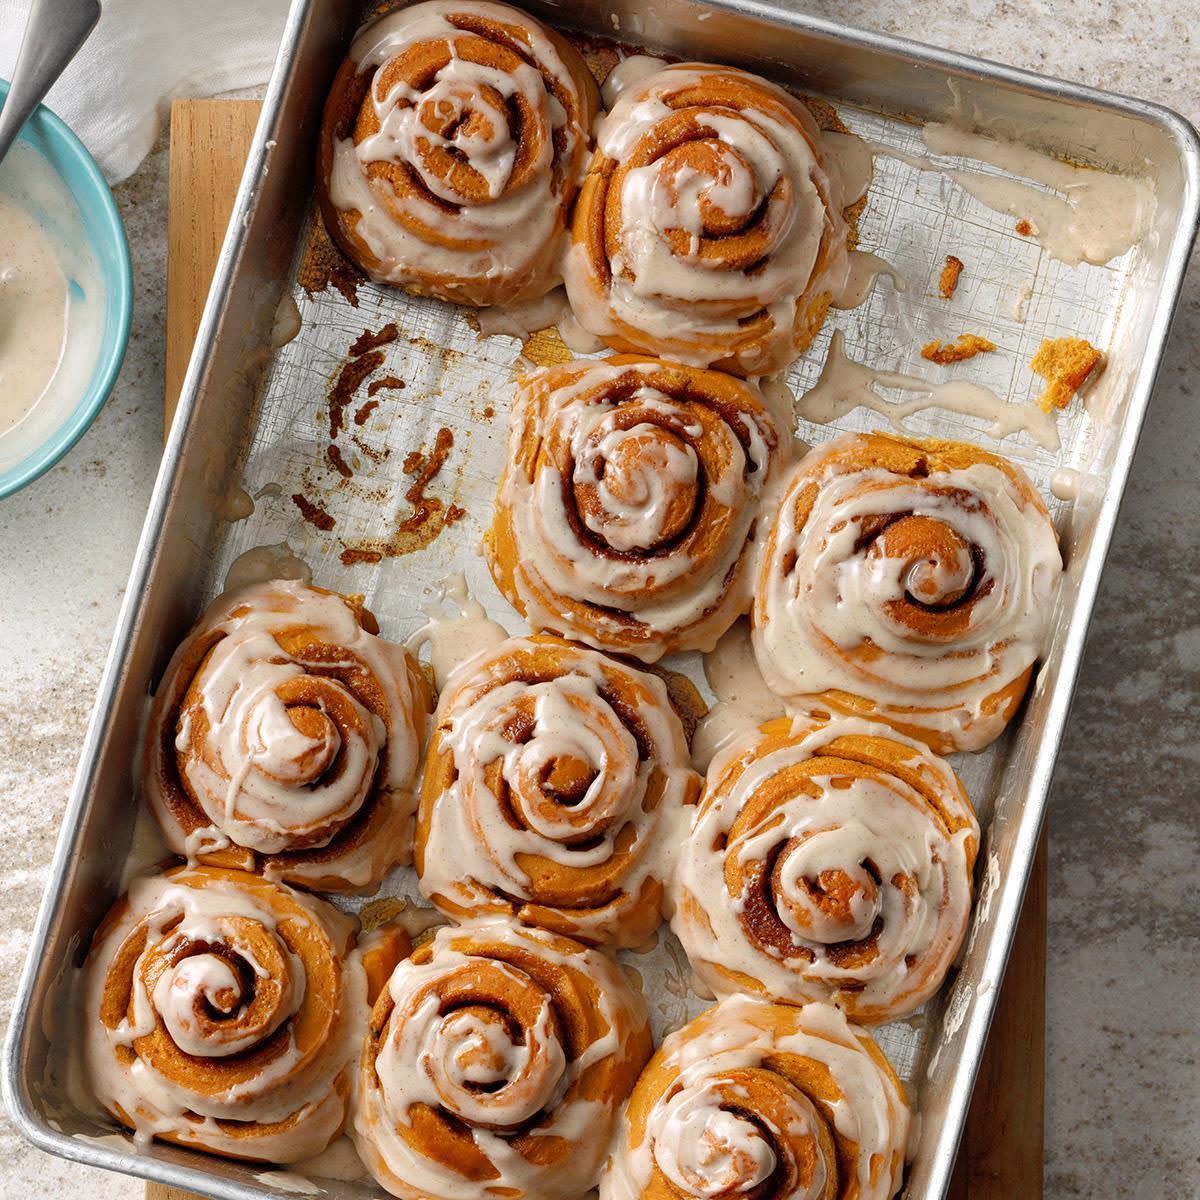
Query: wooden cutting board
{"x":1001,"y":1153}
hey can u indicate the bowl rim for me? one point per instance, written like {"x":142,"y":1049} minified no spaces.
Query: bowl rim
{"x":119,"y":294}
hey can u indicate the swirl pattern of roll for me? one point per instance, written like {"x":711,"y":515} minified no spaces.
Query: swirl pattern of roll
{"x":763,"y":1100}
{"x":707,"y":230}
{"x":557,"y":789}
{"x":496,"y":1061}
{"x":910,"y":582}
{"x":451,"y":150}
{"x":225,"y":1012}
{"x":285,"y":737}
{"x":828,"y":862}
{"x":626,"y":514}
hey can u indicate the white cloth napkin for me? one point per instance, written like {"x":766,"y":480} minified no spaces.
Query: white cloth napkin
{"x":116,"y":94}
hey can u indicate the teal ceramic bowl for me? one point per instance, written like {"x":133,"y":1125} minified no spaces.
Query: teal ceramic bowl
{"x":105,"y":236}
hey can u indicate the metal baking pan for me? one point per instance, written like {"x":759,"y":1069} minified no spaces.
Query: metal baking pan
{"x":253,"y":416}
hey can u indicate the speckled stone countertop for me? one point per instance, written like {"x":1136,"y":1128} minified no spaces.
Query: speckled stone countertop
{"x":1123,"y":1117}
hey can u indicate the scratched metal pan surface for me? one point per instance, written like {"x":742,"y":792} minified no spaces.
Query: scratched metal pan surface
{"x":258,"y":418}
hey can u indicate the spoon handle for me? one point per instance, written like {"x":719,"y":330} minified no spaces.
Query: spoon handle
{"x":54,"y":32}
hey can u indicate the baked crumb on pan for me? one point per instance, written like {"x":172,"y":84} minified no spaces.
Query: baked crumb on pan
{"x":948,"y":280}
{"x":1065,"y":364}
{"x":967,"y":346}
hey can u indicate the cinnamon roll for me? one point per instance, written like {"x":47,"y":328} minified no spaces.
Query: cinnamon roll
{"x":556,"y":788}
{"x":707,"y":229}
{"x":763,"y":1100}
{"x":285,"y":737}
{"x":451,"y":150}
{"x":910,"y":582}
{"x":225,"y":1012}
{"x":496,"y":1060}
{"x":625,"y":516}
{"x":828,"y":862}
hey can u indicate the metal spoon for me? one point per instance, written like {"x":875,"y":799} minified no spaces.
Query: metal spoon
{"x":54,"y":32}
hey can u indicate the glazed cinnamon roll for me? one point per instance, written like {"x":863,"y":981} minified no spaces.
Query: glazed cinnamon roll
{"x":828,"y":862}
{"x":225,"y":1012}
{"x":556,"y":787}
{"x":763,"y":1100}
{"x":910,"y":582}
{"x":626,"y":512}
{"x":451,"y":149}
{"x":496,"y":1061}
{"x":707,"y":229}
{"x":285,"y":737}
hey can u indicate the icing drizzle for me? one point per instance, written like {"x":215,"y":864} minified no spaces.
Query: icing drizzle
{"x":624,"y":518}
{"x":556,"y":789}
{"x":285,"y":727}
{"x":518,"y":1043}
{"x":828,"y":862}
{"x":457,"y":178}
{"x":709,"y":230}
{"x":224,"y":1013}
{"x":917,"y":577}
{"x":752,"y":1092}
